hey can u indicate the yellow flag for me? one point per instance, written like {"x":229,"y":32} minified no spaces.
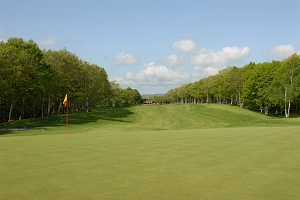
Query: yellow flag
{"x":66,"y":100}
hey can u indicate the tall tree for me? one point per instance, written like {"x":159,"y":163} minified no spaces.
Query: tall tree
{"x":283,"y":90}
{"x":24,"y":74}
{"x":256,"y":84}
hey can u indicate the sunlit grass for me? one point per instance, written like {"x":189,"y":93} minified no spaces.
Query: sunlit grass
{"x":154,"y":152}
{"x":151,"y":117}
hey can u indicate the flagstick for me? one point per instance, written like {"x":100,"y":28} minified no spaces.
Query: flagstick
{"x":67,"y":120}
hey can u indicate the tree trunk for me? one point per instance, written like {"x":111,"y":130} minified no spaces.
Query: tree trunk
{"x":49,"y":106}
{"x":289,"y":108}
{"x":43,"y":108}
{"x":286,"y":111}
{"x":59,"y":107}
{"x":207,"y":98}
{"x":238,"y":100}
{"x":11,"y":110}
{"x":87,"y":105}
{"x":266,"y":110}
{"x":22,"y":109}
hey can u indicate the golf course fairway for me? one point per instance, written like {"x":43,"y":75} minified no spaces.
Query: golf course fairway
{"x":185,"y":151}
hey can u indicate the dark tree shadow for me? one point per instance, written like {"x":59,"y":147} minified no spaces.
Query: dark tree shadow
{"x":107,"y":114}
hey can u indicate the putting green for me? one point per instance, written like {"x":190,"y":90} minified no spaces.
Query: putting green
{"x":167,"y":156}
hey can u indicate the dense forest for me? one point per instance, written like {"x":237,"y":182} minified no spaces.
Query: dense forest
{"x":33,"y":82}
{"x":272,"y":88}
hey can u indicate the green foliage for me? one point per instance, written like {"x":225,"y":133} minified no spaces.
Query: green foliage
{"x":33,"y":83}
{"x":123,"y":97}
{"x":270,"y":87}
{"x":256,"y":83}
{"x":24,"y":77}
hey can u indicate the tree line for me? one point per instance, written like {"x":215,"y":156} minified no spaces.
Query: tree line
{"x":33,"y":82}
{"x":269,"y":87}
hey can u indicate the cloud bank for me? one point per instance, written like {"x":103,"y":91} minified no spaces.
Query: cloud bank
{"x":175,"y":70}
{"x":283,"y":51}
{"x":227,"y":56}
{"x":125,"y":59}
{"x":185,"y":46}
{"x":156,"y":75}
{"x":172,"y":61}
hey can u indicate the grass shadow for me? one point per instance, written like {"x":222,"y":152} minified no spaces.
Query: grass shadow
{"x":106,"y":114}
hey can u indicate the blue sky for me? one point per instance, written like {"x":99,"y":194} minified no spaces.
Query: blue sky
{"x":156,"y":45}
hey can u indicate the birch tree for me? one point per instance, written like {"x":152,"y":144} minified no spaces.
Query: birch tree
{"x":286,"y":83}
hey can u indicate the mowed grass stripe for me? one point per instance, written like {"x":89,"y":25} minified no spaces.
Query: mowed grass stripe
{"x":190,"y":116}
{"x":223,"y":163}
{"x":176,"y":117}
{"x":152,"y":117}
{"x":154,"y":152}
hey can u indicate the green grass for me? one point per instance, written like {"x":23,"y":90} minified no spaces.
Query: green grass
{"x":150,"y":117}
{"x":153,"y":152}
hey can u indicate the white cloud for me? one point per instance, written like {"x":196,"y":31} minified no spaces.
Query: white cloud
{"x":185,"y":46}
{"x":156,"y":78}
{"x":172,"y":61}
{"x":125,"y":59}
{"x":283,"y":51}
{"x":159,"y":78}
{"x":227,"y":56}
{"x":156,"y":74}
{"x":49,"y":42}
